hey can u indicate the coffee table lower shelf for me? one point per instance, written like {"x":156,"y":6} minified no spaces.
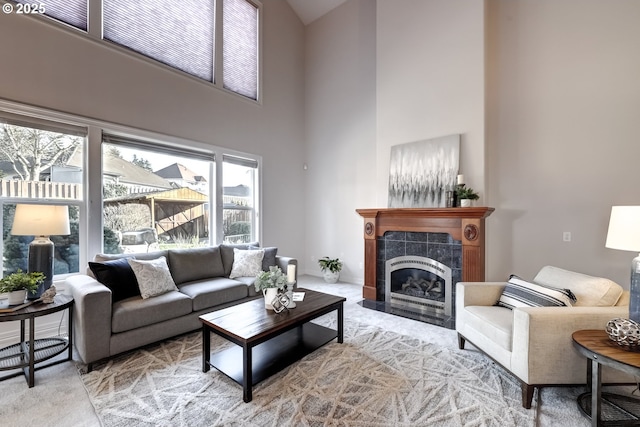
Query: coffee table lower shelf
{"x":273,"y":355}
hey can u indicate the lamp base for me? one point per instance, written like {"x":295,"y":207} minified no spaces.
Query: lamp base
{"x":41,"y":251}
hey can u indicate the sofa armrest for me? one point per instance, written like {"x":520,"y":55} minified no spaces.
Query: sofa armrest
{"x":283,"y":262}
{"x":478,"y":293}
{"x":542,"y":337}
{"x":91,"y":317}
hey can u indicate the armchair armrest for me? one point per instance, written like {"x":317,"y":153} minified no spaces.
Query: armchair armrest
{"x":91,"y":317}
{"x":478,"y":293}
{"x":543,"y":350}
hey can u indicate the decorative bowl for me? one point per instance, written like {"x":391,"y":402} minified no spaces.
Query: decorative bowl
{"x":625,"y":333}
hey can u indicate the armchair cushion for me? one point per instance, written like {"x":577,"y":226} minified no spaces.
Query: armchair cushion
{"x":590,"y":291}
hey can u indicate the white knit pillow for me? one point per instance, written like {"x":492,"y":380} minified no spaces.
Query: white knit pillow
{"x":246,"y":263}
{"x":154,"y":277}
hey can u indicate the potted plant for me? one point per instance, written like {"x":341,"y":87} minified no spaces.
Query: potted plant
{"x":269,"y":282}
{"x":331,"y":268}
{"x":17,"y":284}
{"x":465,"y":195}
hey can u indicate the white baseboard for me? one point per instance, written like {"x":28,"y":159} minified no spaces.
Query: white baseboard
{"x":45,"y":326}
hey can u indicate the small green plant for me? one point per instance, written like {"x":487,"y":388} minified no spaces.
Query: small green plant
{"x":334,"y":265}
{"x":466,"y":193}
{"x":274,"y":278}
{"x":21,"y":280}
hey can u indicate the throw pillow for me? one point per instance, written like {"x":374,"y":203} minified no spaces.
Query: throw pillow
{"x":154,"y":277}
{"x":520,"y":293}
{"x":226,"y":252}
{"x":269,"y":259}
{"x":246,"y":263}
{"x":591,"y":291}
{"x":118,"y":276}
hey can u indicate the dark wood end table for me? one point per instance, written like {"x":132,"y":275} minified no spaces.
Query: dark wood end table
{"x":596,"y":346}
{"x":268,"y":342}
{"x":30,"y":352}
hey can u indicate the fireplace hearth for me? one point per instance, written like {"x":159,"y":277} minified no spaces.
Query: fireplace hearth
{"x":415,"y":256}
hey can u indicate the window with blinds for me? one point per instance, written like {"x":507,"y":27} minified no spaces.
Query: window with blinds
{"x":240,"y":47}
{"x":72,"y":12}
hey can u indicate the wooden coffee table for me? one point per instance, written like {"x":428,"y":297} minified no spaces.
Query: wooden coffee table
{"x":267,"y":342}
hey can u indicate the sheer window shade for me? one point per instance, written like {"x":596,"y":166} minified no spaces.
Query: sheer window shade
{"x":177,"y":33}
{"x":240,"y":47}
{"x":72,"y":12}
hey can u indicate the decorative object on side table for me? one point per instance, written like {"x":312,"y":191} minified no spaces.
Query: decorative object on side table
{"x":41,"y":221}
{"x":624,"y":234}
{"x":331,"y":268}
{"x":270,"y":283}
{"x":624,"y":332}
{"x":19,"y":283}
{"x":291,"y":281}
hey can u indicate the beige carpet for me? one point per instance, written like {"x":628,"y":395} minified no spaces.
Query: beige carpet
{"x":376,"y":378}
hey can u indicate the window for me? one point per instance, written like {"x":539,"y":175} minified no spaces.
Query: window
{"x":177,"y":33}
{"x":240,"y":51}
{"x":41,"y":162}
{"x":72,"y":12}
{"x":154,"y":197}
{"x":239,"y":199}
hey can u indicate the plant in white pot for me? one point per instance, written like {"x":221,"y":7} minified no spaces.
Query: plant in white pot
{"x":19,"y":283}
{"x":270,"y":282}
{"x":466,"y":195}
{"x":331,"y":268}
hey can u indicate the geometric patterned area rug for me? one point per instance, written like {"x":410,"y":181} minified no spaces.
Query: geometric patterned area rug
{"x":375,"y":378}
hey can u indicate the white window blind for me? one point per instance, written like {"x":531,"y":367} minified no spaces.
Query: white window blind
{"x":240,"y":47}
{"x":177,"y":33}
{"x":72,"y":12}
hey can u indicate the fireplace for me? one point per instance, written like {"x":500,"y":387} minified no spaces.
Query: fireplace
{"x":426,"y":250}
{"x":419,"y":284}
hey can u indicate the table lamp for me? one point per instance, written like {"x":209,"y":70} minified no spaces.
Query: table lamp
{"x":41,"y":221}
{"x":624,"y":234}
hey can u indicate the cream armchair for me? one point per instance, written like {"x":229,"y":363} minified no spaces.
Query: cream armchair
{"x":534,"y":343}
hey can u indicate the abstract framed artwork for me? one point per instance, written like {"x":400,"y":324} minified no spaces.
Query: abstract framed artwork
{"x":421,"y":172}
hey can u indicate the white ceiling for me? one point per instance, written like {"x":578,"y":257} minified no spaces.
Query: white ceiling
{"x":310,"y":10}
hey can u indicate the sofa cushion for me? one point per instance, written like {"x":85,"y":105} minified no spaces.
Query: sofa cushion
{"x":136,"y":312}
{"x":590,"y":291}
{"x":249,"y":282}
{"x":118,"y":276}
{"x":187,"y":265}
{"x":137,"y":255}
{"x":226,"y":251}
{"x":495,"y":323}
{"x":153,"y":276}
{"x":211,"y":292}
{"x":246,"y":263}
{"x":520,"y":293}
{"x":269,"y":259}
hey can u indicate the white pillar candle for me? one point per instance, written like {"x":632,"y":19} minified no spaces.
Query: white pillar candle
{"x":291,"y":273}
{"x":460,"y":179}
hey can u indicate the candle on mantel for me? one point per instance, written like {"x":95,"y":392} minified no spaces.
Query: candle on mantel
{"x":460,"y":179}
{"x":291,"y":273}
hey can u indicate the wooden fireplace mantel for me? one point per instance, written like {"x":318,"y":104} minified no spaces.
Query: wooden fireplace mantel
{"x":464,"y":224}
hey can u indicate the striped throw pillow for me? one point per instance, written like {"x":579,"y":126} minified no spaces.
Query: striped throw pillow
{"x":520,"y":293}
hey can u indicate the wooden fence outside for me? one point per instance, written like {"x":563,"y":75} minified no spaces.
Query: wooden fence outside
{"x":40,"y":189}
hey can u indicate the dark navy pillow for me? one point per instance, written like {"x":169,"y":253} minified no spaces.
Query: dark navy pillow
{"x":118,"y":276}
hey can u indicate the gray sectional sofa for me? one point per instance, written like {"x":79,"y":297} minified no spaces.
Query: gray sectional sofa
{"x":111,"y":317}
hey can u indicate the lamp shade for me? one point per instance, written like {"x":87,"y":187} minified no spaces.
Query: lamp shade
{"x":624,"y":228}
{"x":41,"y":220}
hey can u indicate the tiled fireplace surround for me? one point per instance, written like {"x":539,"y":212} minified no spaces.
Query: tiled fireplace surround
{"x":451,"y":236}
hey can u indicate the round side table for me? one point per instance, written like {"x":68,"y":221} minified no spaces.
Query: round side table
{"x":596,"y":346}
{"x":30,"y":352}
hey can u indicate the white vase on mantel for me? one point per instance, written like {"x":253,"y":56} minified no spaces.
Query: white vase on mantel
{"x":269,"y":295}
{"x":465,"y":203}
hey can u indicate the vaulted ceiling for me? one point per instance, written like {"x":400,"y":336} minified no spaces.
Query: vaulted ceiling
{"x":310,"y":10}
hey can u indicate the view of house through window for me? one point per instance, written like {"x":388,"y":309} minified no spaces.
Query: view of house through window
{"x":239,"y":201}
{"x":40,"y":163}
